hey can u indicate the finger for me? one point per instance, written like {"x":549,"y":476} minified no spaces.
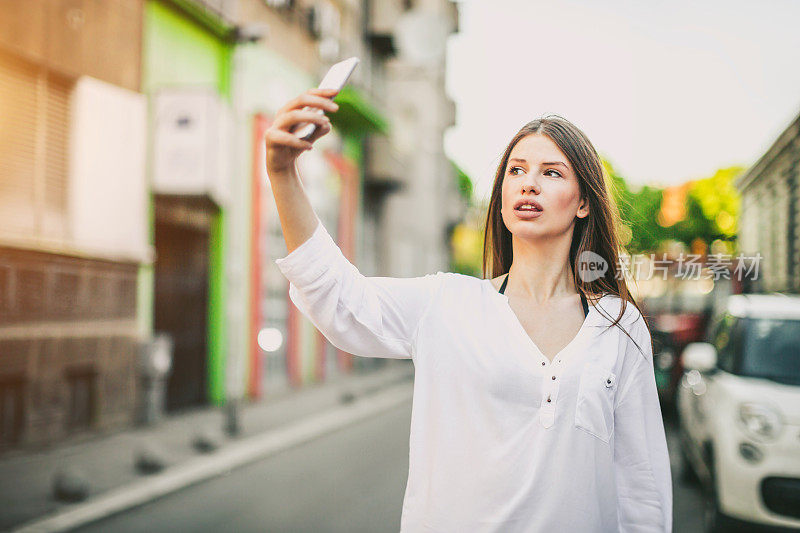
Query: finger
{"x":319,"y":132}
{"x":327,"y":93}
{"x":316,"y":97}
{"x":311,"y":100}
{"x":289,"y":120}
{"x":284,"y":138}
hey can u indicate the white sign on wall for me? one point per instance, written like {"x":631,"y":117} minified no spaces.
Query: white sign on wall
{"x":108,"y":186}
{"x":191,"y":143}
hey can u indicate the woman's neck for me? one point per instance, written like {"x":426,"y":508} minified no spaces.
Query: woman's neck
{"x":541,"y":271}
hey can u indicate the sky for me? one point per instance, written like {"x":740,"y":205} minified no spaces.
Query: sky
{"x":667,"y":91}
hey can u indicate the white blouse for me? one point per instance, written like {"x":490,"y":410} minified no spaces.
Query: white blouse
{"x":502,"y":440}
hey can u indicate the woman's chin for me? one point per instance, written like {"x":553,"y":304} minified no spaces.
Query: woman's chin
{"x":527,"y":230}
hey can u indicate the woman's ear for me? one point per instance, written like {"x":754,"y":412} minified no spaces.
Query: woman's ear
{"x":583,"y":209}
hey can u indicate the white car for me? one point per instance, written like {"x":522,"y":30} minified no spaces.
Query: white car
{"x":739,"y":414}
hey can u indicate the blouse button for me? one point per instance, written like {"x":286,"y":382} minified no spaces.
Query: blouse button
{"x":543,"y":363}
{"x":554,"y":377}
{"x":548,"y":399}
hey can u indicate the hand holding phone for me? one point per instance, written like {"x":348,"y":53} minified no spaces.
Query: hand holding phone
{"x":299,"y":123}
{"x":335,"y":79}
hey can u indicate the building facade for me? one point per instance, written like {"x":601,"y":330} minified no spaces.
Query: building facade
{"x":412,"y":201}
{"x":769,"y":214}
{"x":73,"y":208}
{"x":187,"y":58}
{"x":134,"y":201}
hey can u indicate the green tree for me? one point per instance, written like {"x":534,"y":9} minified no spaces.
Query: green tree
{"x":637,"y":209}
{"x":718,"y":201}
{"x":710,"y":211}
{"x":463,"y":182}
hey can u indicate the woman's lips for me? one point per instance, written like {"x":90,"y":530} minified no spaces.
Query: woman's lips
{"x":529,"y":214}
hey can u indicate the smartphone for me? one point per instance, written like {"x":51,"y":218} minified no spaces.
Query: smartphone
{"x":335,"y":79}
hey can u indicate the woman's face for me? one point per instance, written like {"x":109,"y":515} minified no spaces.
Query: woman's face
{"x":538,"y":171}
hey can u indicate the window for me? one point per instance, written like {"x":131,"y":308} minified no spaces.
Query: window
{"x":11,"y":398}
{"x":722,"y":339}
{"x":727,"y":359}
{"x":34,"y":104}
{"x":771,"y":350}
{"x":81,"y":401}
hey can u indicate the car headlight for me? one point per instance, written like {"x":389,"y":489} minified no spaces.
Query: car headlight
{"x":760,"y":421}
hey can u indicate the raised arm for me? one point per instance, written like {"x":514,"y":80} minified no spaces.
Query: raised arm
{"x":365,"y":316}
{"x":641,"y":459}
{"x":296,"y":215}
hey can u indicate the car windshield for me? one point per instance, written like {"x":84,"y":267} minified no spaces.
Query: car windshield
{"x":772,"y":350}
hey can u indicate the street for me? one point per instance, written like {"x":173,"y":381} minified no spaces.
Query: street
{"x":350,"y":480}
{"x":181,"y":350}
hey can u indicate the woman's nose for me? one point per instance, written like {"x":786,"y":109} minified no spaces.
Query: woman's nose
{"x":531,"y":186}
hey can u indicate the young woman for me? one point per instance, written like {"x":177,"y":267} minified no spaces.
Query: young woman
{"x":535,"y":406}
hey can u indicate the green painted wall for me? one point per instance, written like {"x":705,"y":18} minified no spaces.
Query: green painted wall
{"x":180,"y":52}
{"x":217,"y":322}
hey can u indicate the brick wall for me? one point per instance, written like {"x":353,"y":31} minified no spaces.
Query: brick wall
{"x":68,"y":346}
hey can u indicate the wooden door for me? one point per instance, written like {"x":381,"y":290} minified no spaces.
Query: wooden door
{"x":181,"y":303}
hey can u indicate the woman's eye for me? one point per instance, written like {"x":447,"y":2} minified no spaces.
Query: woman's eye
{"x":513,"y":169}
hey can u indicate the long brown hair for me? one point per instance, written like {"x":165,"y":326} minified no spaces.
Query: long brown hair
{"x":598,"y":232}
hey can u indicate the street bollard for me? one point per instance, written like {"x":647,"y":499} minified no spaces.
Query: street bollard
{"x":155,"y":362}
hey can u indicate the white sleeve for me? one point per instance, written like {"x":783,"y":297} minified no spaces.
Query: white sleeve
{"x":364,"y":316}
{"x":641,"y":459}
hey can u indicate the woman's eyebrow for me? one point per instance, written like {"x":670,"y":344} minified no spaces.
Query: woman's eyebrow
{"x":546,"y":163}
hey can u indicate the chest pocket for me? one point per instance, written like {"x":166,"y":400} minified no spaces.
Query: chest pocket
{"x":594,"y":409}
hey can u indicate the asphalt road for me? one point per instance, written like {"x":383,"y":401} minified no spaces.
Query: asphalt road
{"x":348,"y":481}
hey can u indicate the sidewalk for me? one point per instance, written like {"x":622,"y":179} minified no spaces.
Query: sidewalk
{"x":268,"y":426}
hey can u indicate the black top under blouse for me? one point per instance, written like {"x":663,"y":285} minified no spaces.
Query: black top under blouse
{"x":583,"y":298}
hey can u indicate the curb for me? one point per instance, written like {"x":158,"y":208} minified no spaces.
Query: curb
{"x":232,"y":456}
